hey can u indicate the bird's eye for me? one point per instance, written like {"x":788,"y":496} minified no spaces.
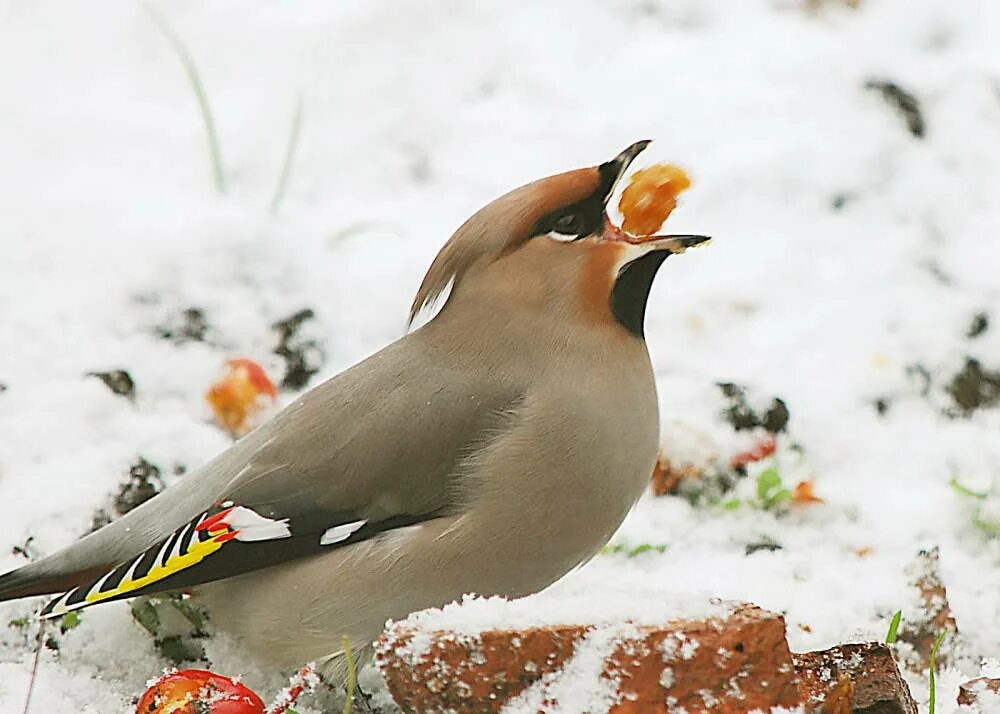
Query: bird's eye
{"x":570,"y":224}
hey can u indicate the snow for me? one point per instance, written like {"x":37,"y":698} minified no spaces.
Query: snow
{"x":414,"y":116}
{"x":581,"y":686}
{"x":562,"y":605}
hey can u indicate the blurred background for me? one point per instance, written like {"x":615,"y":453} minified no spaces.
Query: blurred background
{"x":845,"y":156}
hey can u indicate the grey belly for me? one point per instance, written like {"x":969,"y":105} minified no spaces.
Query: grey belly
{"x":299,"y":612}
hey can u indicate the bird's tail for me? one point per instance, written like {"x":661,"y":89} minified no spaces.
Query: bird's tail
{"x":35,"y":579}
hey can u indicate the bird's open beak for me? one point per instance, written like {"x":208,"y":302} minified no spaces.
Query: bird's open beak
{"x":613,"y":171}
{"x":671,"y":243}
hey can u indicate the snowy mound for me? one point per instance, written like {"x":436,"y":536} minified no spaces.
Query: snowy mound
{"x":601,"y":607}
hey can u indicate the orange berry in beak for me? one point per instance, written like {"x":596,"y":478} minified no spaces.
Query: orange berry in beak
{"x":194,"y":691}
{"x":650,"y":197}
{"x":241,"y":395}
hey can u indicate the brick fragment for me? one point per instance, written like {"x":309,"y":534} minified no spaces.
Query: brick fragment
{"x":970,"y":692}
{"x":921,"y":626}
{"x":850,"y":678}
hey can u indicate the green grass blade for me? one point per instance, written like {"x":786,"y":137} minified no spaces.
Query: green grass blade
{"x":890,"y":636}
{"x":932,"y":700}
{"x":199,"y":91}
{"x":966,"y":491}
{"x":352,"y":676}
{"x":289,"y":162}
{"x":989,"y":527}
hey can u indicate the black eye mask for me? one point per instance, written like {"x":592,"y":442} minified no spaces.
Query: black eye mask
{"x":585,"y":217}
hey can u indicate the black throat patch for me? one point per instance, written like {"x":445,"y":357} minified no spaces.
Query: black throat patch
{"x":631,"y":291}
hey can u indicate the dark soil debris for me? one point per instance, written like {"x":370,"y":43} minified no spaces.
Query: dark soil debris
{"x":974,"y":387}
{"x":179,"y":649}
{"x":903,"y":102}
{"x":303,"y":357}
{"x":710,"y":486}
{"x":840,"y":200}
{"x":117,"y":380}
{"x":189,"y":326}
{"x":742,"y":417}
{"x":143,"y":483}
{"x":882,"y":405}
{"x":766,"y":545}
{"x":980,"y":324}
{"x":776,"y":417}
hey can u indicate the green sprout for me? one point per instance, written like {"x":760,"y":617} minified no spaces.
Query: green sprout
{"x":890,"y":636}
{"x":988,"y":526}
{"x":771,"y":492}
{"x":933,"y":693}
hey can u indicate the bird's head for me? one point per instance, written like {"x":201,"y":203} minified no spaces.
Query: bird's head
{"x":551,"y":244}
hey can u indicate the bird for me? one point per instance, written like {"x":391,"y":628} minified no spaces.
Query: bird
{"x":491,"y":450}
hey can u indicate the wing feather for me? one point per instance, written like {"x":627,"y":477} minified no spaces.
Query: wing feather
{"x":212,"y":546}
{"x":380,"y":444}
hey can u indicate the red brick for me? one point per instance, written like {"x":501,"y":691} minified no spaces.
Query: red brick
{"x":730,"y":664}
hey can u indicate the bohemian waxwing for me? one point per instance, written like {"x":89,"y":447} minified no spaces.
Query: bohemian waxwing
{"x":490,"y":451}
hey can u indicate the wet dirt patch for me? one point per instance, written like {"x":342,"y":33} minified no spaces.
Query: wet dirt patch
{"x":118,"y":381}
{"x":974,"y":387}
{"x":144,"y":481}
{"x":303,"y":356}
{"x":742,"y":417}
{"x":190,"y":325}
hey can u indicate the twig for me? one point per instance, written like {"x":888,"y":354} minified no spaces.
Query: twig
{"x":290,"y":151}
{"x":199,"y":90}
{"x":39,"y":639}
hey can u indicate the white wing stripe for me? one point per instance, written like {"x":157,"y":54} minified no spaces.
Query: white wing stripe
{"x":339,"y":533}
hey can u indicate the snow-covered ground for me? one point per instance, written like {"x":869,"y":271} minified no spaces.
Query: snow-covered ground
{"x":847,"y":251}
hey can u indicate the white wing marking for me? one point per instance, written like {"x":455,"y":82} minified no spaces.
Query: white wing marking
{"x":339,"y":533}
{"x":251,"y":526}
